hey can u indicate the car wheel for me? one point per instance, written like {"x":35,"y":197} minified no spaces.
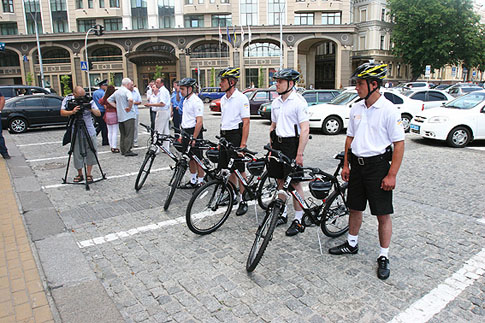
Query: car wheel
{"x":17,"y":125}
{"x":207,"y":100}
{"x":332,"y":125}
{"x":406,"y":121}
{"x":459,"y":137}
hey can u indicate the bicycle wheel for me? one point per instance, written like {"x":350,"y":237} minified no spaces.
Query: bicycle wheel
{"x":177,"y":176}
{"x":266,"y":189}
{"x":335,"y":214}
{"x":144,"y":170}
{"x":209,"y":207}
{"x":263,"y":236}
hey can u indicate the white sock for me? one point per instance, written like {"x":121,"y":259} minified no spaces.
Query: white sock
{"x":285,"y":212}
{"x":298,"y":215}
{"x":193,"y":178}
{"x":384,"y":252}
{"x":200,"y":179}
{"x":240,"y":197}
{"x":353,"y":240}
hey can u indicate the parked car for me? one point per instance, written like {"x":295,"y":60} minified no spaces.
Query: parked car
{"x":458,"y":122}
{"x":259,"y":97}
{"x":11,"y":91}
{"x":312,"y":97}
{"x":332,"y":117}
{"x":23,"y":112}
{"x":431,"y":98}
{"x":207,"y":94}
{"x":215,"y":105}
{"x":462,"y":89}
{"x":442,"y":87}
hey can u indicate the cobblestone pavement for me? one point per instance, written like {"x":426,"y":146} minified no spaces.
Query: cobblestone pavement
{"x":162,"y":271}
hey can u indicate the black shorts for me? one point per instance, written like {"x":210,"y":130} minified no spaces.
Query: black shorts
{"x":185,"y":142}
{"x":234,"y":137}
{"x":288,"y":147}
{"x":365,"y":185}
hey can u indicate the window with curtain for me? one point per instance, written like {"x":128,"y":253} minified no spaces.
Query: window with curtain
{"x":276,"y":9}
{"x":193,"y":21}
{"x":111,"y":24}
{"x":249,"y":12}
{"x":331,"y":18}
{"x":83,"y":25}
{"x":221,"y":20}
{"x":304,"y":18}
{"x":7,"y":5}
{"x":8,"y":28}
{"x":166,"y":13}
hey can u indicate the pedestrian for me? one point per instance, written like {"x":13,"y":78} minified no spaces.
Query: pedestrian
{"x":177,"y":101}
{"x":161,"y":105}
{"x":101,"y":127}
{"x":235,"y":118}
{"x":136,"y":102}
{"x":3,"y":147}
{"x":289,"y":133}
{"x":111,"y":119}
{"x":153,"y":114}
{"x":122,"y":100}
{"x":375,"y":124}
{"x":192,"y":121}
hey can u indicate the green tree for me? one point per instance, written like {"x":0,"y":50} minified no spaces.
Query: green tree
{"x":213,"y":77}
{"x":112,"y":79}
{"x":29,"y":78}
{"x":433,"y":32}
{"x":158,"y":72}
{"x":65,"y":80}
{"x":261,"y":78}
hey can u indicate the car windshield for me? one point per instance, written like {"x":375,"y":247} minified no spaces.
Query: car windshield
{"x":343,"y":98}
{"x":408,"y":92}
{"x":248,"y":93}
{"x":468,"y":101}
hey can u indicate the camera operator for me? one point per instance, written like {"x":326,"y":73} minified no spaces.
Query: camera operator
{"x":81,"y":143}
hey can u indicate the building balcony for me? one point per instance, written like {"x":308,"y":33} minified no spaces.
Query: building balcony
{"x":97,"y":13}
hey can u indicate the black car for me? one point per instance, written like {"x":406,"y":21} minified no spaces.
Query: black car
{"x":259,"y":97}
{"x":23,"y":112}
{"x":11,"y":91}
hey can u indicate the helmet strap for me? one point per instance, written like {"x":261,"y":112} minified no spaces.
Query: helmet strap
{"x":230,"y":85}
{"x":369,"y":92}
{"x":288,"y":88}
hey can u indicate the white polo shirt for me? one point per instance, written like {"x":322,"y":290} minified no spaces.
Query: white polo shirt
{"x":374,"y":128}
{"x":233,"y":110}
{"x":165,"y":97}
{"x":193,"y":107}
{"x":288,"y":114}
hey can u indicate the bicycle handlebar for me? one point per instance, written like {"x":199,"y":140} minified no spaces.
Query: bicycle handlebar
{"x":230,"y":146}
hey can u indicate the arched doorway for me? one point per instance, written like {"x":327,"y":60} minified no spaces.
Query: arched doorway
{"x":317,"y":61}
{"x":261,"y":61}
{"x":152,"y":59}
{"x":56,"y":62}
{"x":10,"y":71}
{"x":107,"y":61}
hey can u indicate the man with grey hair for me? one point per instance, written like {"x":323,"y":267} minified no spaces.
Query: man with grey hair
{"x":122,"y":100}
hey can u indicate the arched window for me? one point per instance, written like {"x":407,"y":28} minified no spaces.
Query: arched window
{"x":262,"y":50}
{"x":157,"y":48}
{"x":210,"y":50}
{"x":54,"y":55}
{"x":9,"y":58}
{"x":103,"y":54}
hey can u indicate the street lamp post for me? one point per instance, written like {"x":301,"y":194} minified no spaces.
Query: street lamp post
{"x":98,"y":30}
{"x":281,"y":34}
{"x":34,"y":18}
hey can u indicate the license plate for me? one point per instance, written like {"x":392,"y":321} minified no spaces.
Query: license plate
{"x":414,"y":128}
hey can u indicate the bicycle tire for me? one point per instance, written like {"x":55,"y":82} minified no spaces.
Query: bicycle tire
{"x":266,"y":189}
{"x":144,"y":170}
{"x":257,"y":250}
{"x":177,"y":176}
{"x":335,"y":214}
{"x":202,"y":214}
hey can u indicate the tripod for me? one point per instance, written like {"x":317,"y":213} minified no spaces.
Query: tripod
{"x":81,"y":132}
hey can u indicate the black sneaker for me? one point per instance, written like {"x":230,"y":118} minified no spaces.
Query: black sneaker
{"x":383,"y":270}
{"x":282,"y":220}
{"x":188,"y":185}
{"x":6,"y":156}
{"x":344,"y":248}
{"x":242,"y":209}
{"x":295,"y":228}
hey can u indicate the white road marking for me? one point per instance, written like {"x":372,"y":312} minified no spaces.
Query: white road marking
{"x":41,"y":143}
{"x":432,"y":303}
{"x":477,"y":148}
{"x":108,"y":177}
{"x":63,"y":157}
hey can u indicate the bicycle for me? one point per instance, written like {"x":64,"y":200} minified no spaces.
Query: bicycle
{"x":211,"y":204}
{"x":332,"y":214}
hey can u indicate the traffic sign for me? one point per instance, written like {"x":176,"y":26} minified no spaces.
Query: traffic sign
{"x":453,"y":71}
{"x":84,"y":66}
{"x":474,"y":73}
{"x":427,"y":72}
{"x":2,"y":47}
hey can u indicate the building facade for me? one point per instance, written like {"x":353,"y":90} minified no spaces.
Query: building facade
{"x":323,"y":39}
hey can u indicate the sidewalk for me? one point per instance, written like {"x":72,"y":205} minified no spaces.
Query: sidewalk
{"x":22,"y":296}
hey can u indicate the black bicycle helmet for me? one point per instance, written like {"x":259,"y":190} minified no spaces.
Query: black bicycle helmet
{"x":370,"y":72}
{"x":320,"y":189}
{"x":189,"y":82}
{"x":230,"y":72}
{"x":287,"y":74}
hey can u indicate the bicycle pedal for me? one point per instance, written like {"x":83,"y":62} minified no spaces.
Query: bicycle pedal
{"x":300,"y":227}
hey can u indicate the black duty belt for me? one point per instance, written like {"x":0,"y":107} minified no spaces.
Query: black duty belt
{"x":229,"y":132}
{"x":283,"y":140}
{"x":368,"y":160}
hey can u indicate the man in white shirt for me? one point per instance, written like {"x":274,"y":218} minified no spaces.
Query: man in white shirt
{"x":158,"y":103}
{"x":375,"y":124}
{"x":235,"y":118}
{"x":136,"y":102}
{"x":192,"y":121}
{"x":289,"y":132}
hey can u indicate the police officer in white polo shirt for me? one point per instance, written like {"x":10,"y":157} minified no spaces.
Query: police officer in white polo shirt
{"x":289,"y":133}
{"x":192,"y":119}
{"x":234,"y":124}
{"x":375,"y":124}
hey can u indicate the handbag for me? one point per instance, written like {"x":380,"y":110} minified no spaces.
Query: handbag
{"x":68,"y":134}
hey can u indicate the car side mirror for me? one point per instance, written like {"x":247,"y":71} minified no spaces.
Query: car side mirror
{"x":350,"y":106}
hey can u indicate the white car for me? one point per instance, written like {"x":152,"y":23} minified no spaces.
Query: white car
{"x":333,"y":116}
{"x":458,"y":122}
{"x":430,"y":98}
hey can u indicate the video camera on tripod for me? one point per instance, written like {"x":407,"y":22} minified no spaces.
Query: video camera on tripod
{"x":83,"y":102}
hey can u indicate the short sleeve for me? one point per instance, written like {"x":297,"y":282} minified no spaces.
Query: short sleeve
{"x":112,"y":98}
{"x":93,"y":105}
{"x":199,"y":109}
{"x":350,"y":127}
{"x":245,"y":112}
{"x":273,"y":113}
{"x":64,"y":103}
{"x":302,"y":112}
{"x":395,"y":127}
{"x":129,"y":95}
